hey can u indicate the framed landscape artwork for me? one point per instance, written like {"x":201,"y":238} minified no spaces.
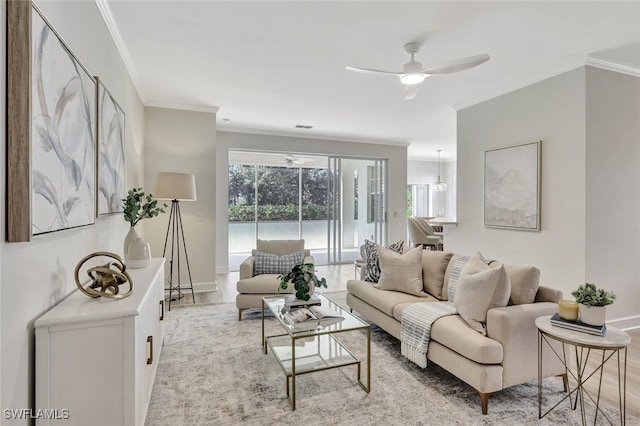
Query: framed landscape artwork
{"x":512,"y":187}
{"x":51,"y":147}
{"x":110,"y":152}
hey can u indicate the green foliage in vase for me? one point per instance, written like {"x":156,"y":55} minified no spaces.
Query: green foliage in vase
{"x":303,"y":276}
{"x":138,"y":206}
{"x":588,"y":294}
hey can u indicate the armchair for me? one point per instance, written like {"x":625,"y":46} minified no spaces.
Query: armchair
{"x":419,"y":234}
{"x":253,"y":287}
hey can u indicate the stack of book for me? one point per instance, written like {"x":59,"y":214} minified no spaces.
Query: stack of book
{"x":597,"y":330}
{"x":312,"y":317}
{"x":290,"y":301}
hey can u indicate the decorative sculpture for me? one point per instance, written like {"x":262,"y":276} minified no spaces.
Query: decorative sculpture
{"x":105,"y":280}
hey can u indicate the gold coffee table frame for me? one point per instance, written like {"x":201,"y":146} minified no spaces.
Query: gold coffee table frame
{"x":316,"y":348}
{"x":614,"y":340}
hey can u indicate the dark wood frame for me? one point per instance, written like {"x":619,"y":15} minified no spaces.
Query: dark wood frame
{"x":18,"y":121}
{"x":19,"y":198}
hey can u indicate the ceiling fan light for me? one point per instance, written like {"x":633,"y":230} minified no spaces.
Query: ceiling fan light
{"x":413,"y":78}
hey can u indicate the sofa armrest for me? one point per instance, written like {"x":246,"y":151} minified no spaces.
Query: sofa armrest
{"x":246,"y":268}
{"x":514,"y":327}
{"x":548,"y":294}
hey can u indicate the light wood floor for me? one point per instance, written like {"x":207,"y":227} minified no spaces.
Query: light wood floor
{"x":338,"y":275}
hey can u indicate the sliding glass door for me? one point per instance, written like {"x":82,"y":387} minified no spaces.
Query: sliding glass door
{"x":333,"y":203}
{"x":357,"y":206}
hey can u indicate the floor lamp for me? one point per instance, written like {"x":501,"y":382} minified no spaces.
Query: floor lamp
{"x":176,"y":187}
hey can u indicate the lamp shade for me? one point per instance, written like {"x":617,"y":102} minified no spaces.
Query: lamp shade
{"x":176,"y":186}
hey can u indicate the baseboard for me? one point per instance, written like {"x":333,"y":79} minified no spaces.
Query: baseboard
{"x":202,"y":287}
{"x":625,"y":324}
{"x":222,"y":269}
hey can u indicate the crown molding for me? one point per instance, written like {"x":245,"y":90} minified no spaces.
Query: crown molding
{"x":107,"y":16}
{"x":613,"y":66}
{"x":185,"y":107}
{"x":337,"y":138}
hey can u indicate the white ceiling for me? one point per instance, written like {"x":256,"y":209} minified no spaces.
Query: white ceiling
{"x":271,"y":65}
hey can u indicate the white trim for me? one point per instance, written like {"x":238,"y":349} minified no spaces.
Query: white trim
{"x":626,"y":324}
{"x":186,"y":107}
{"x":222,"y":270}
{"x":612,"y":66}
{"x":198,"y":287}
{"x":223,"y":128}
{"x":112,"y":26}
{"x":598,"y":63}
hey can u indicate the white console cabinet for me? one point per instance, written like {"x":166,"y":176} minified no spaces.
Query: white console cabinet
{"x":97,"y":358}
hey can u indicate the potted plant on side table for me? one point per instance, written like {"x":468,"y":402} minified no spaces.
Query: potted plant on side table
{"x":303,"y":276}
{"x":593,"y":303}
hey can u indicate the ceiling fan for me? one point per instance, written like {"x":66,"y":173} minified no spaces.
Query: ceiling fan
{"x":413,"y":73}
{"x":292,"y":160}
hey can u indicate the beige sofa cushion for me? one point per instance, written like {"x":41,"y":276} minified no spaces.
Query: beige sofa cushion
{"x":452,"y":274}
{"x":479,"y":289}
{"x":383,"y":300}
{"x":434,"y":267}
{"x":524,"y":282}
{"x":453,"y":332}
{"x":401,"y":272}
{"x":280,"y":247}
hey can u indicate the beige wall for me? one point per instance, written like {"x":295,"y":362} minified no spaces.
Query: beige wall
{"x":185,"y":142}
{"x":613,"y":188}
{"x":38,"y":274}
{"x":587,"y":120}
{"x":551,"y":111}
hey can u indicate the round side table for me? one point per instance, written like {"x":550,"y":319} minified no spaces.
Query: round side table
{"x":612,"y":343}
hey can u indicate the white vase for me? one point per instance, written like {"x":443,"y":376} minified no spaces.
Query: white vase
{"x":593,"y":315}
{"x":132,"y":235}
{"x":138,"y":254}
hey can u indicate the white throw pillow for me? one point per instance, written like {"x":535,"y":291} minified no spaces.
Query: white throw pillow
{"x":401,"y":272}
{"x":479,"y":289}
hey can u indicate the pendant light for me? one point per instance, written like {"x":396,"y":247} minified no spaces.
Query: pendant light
{"x":439,"y":185}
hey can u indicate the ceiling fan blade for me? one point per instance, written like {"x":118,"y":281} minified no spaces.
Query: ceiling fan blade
{"x":457,"y":65}
{"x":410,"y":92}
{"x":368,"y":71}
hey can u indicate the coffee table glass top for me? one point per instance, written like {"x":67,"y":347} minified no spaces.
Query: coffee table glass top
{"x":313,"y":327}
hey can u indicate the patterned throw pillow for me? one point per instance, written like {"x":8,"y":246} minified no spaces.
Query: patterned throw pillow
{"x":372,"y":265}
{"x":268,"y":263}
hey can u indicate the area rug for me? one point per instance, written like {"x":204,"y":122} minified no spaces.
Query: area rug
{"x":212,"y":371}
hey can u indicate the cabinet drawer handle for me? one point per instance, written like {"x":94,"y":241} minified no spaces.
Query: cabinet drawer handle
{"x":150,"y":342}
{"x":162,"y":310}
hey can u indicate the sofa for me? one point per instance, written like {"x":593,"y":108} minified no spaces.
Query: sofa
{"x":507,"y":355}
{"x":253,"y":285}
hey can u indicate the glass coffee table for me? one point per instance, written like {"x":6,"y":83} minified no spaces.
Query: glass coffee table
{"x":312,"y":346}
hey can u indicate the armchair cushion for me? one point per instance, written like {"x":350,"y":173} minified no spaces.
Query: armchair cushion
{"x":279,"y":247}
{"x":269,"y":263}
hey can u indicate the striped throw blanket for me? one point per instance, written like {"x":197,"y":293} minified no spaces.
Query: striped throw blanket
{"x":415,"y":328}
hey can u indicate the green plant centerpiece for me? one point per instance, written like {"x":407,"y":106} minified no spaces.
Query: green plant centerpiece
{"x":138,"y":206}
{"x":590,"y":295}
{"x":303,"y":276}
